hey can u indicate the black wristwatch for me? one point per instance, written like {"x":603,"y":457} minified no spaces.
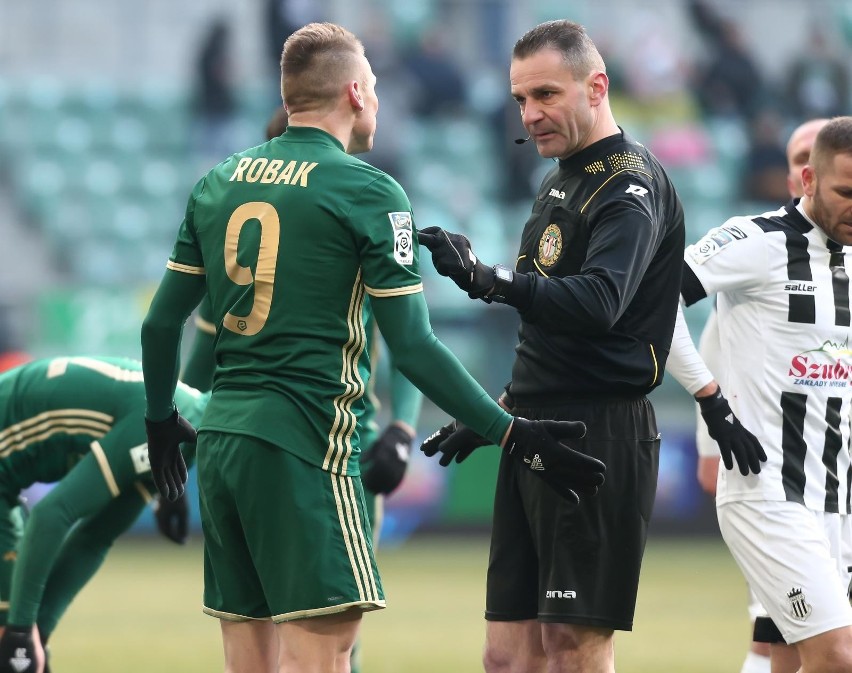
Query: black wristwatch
{"x":503,"y":277}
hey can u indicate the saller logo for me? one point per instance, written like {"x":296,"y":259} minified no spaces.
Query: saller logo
{"x":554,"y":593}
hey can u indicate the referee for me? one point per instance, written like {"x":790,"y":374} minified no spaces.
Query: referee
{"x":596,"y":284}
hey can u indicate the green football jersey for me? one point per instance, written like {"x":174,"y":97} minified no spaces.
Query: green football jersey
{"x":292,"y":236}
{"x":53,"y":412}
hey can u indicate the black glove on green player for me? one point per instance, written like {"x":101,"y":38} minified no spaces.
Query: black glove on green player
{"x":17,"y":650}
{"x":167,"y":464}
{"x":734,"y":440}
{"x":383,"y":464}
{"x":455,"y":441}
{"x":452,"y":256}
{"x":570,"y":473}
{"x":173,"y":518}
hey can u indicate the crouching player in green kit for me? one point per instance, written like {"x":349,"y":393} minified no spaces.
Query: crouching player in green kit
{"x":77,"y":421}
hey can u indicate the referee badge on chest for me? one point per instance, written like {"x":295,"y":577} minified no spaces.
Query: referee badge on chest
{"x":550,"y":246}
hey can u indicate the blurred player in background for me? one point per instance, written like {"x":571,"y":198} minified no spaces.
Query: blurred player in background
{"x":798,"y":150}
{"x":77,"y":422}
{"x":288,"y":239}
{"x":783,"y":329}
{"x":386,"y":456}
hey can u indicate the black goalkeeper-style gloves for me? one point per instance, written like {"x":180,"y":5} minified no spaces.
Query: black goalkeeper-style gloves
{"x":383,"y":464}
{"x":734,"y":440}
{"x":452,"y":257}
{"x":455,"y":441}
{"x":17,"y":650}
{"x":173,"y":518}
{"x":167,"y":464}
{"x":536,"y":445}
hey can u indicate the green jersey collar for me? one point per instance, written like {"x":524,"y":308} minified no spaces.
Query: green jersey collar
{"x":305,"y":134}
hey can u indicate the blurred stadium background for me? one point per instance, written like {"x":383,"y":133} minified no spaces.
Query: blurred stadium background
{"x":109,"y":113}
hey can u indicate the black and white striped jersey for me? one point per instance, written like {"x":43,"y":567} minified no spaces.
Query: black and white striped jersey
{"x":784,"y":321}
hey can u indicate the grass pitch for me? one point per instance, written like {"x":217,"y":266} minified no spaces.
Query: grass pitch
{"x":142,"y":612}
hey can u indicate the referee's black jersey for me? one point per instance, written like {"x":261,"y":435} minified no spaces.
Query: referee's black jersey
{"x":603,"y":255}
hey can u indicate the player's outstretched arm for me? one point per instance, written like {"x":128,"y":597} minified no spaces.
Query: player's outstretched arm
{"x":82,"y":554}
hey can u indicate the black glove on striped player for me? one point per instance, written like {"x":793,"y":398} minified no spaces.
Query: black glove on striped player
{"x":734,"y":440}
{"x":167,"y":464}
{"x":452,"y":256}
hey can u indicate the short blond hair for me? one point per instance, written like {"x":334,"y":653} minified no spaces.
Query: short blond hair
{"x":316,"y":60}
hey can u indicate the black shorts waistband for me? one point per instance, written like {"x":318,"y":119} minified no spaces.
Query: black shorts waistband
{"x":556,"y":401}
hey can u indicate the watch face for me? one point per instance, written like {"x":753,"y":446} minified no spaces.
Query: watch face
{"x":503,"y":273}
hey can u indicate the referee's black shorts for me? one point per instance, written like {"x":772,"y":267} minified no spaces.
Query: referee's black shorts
{"x":556,"y":562}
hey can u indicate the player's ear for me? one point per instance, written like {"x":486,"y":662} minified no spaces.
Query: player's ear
{"x":809,"y":180}
{"x":355,"y":98}
{"x":598,"y":84}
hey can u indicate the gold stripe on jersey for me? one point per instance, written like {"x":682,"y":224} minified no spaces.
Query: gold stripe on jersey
{"x":67,"y":421}
{"x":58,"y":366}
{"x":395,"y":291}
{"x":147,"y":496}
{"x":354,"y":538}
{"x":340,"y":437}
{"x":625,"y":170}
{"x":205,"y":325}
{"x":185,"y":268}
{"x":4,"y":605}
{"x":540,"y":270}
{"x":103,"y":463}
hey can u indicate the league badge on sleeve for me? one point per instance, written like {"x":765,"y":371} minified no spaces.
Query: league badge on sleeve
{"x":403,"y":234}
{"x":713,"y":242}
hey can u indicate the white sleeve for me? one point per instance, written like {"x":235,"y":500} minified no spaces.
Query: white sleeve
{"x":710,"y":348}
{"x":730,"y":257}
{"x":684,"y":362}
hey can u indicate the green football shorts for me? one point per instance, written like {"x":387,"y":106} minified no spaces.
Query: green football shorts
{"x":283,"y":539}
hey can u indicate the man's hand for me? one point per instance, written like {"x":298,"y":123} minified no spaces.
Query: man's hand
{"x":383,"y":464}
{"x":733,"y":439}
{"x":173,"y":518}
{"x":167,"y":464}
{"x":455,"y":441}
{"x":452,"y":256}
{"x":18,"y":651}
{"x":536,"y":445}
